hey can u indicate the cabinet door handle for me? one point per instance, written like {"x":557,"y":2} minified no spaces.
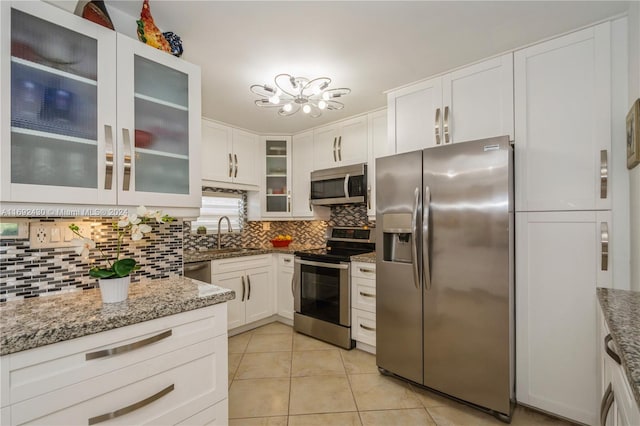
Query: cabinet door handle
{"x":230,"y":165}
{"x":367,"y":270}
{"x":335,"y":141}
{"x":310,"y":208}
{"x":605,"y":405}
{"x":367,"y":328}
{"x":128,"y":347}
{"x":340,"y":148}
{"x":367,"y":294}
{"x":249,"y":285}
{"x":369,"y":197}
{"x":437,"y":126}
{"x":446,"y":124}
{"x":604,"y":242}
{"x":288,"y":201}
{"x":235,"y":173}
{"x":346,"y":185}
{"x":614,"y":356}
{"x":108,"y":162}
{"x":604,"y":173}
{"x":243,"y":289}
{"x":131,"y":408}
{"x":128,"y":160}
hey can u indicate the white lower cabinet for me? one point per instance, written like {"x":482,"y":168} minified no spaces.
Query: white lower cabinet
{"x":285,"y":282}
{"x":617,"y":405}
{"x":363,"y":305}
{"x":251,"y":277}
{"x":560,"y":260}
{"x":169,"y":371}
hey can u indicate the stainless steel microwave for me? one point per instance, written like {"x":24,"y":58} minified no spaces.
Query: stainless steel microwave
{"x":339,"y":185}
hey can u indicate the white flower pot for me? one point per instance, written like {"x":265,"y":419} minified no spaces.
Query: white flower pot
{"x":114,"y":290}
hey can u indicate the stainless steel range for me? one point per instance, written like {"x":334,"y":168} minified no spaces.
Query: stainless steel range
{"x":322,"y":285}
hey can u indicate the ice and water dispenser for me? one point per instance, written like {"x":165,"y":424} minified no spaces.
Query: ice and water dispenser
{"x":397,"y":237}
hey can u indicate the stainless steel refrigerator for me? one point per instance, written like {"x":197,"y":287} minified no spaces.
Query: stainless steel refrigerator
{"x":445,"y":293}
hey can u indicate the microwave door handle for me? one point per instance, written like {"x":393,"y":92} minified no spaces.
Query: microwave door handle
{"x":346,"y":186}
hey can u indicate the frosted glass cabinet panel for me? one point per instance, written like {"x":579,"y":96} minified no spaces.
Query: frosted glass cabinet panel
{"x":276,"y":151}
{"x":158,"y":127}
{"x":52,"y":136}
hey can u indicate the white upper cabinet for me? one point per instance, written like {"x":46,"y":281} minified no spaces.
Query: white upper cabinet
{"x":378,"y":147}
{"x":471,"y":103}
{"x":302,"y":166}
{"x":158,"y":127}
{"x":276,"y":188}
{"x":563,"y":122}
{"x":229,"y":156}
{"x":77,"y":129}
{"x":341,"y":144}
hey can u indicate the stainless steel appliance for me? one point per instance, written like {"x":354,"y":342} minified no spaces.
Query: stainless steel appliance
{"x":322,"y":285}
{"x":200,"y":271}
{"x":445,"y":272}
{"x":339,"y":185}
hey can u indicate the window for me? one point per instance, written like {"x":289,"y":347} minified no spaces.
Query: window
{"x":214,"y":206}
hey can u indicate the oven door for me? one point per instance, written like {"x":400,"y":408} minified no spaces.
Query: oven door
{"x":321,"y":290}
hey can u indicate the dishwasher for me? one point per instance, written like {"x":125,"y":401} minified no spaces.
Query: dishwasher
{"x":200,"y":271}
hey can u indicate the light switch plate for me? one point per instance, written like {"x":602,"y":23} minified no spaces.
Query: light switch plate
{"x":55,"y":234}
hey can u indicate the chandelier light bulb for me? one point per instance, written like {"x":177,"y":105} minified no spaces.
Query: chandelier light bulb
{"x":322,"y":104}
{"x":326,"y":96}
{"x":275,"y":99}
{"x":287,"y":107}
{"x":306,"y":109}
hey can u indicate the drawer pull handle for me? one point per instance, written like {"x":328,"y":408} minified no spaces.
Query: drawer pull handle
{"x":614,"y":356}
{"x":367,"y":294}
{"x":367,"y":328}
{"x":133,"y":407}
{"x":367,"y":270}
{"x":287,"y":260}
{"x":127,"y":348}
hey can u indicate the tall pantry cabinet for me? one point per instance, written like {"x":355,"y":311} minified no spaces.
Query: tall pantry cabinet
{"x":563,"y":218}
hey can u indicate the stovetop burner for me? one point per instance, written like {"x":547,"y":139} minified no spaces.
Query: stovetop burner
{"x":342,"y":243}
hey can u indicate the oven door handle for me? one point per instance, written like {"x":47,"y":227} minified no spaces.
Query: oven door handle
{"x":322,"y":264}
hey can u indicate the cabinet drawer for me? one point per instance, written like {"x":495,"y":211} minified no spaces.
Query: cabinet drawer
{"x":46,"y":369}
{"x":364,"y":326}
{"x":174,"y":385}
{"x":625,"y":401}
{"x":364,"y":294}
{"x":363,"y":270}
{"x":240,"y":263}
{"x":285,"y":261}
{"x":217,"y":414}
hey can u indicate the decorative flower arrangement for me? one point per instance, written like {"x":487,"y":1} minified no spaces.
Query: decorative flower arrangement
{"x":134,"y":225}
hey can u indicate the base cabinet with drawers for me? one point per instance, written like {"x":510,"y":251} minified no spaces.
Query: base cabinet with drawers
{"x":171,"y":370}
{"x":363,"y":305}
{"x":251,"y":278}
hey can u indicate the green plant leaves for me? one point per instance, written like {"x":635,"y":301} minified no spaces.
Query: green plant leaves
{"x":120,"y":268}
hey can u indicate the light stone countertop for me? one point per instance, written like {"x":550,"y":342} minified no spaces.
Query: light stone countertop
{"x":366,"y":258}
{"x":30,"y":323}
{"x":190,"y":256}
{"x":621,"y":310}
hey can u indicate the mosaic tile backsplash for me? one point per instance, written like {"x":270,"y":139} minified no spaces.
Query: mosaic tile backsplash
{"x":27,"y":272}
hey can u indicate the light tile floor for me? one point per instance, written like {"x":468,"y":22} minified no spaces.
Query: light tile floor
{"x":278,"y":377}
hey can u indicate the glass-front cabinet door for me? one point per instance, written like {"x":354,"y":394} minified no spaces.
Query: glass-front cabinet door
{"x":158,"y":127}
{"x":277,"y":185}
{"x":57,"y":106}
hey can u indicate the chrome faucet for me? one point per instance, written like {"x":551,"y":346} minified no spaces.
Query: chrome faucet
{"x":219,"y":222}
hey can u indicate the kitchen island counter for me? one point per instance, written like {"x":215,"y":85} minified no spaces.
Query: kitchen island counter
{"x":621,"y":310}
{"x":31,"y":323}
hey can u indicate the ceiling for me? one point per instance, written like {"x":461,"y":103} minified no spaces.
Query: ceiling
{"x":368,"y":46}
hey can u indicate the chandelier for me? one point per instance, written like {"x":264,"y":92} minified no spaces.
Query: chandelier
{"x":291,"y":94}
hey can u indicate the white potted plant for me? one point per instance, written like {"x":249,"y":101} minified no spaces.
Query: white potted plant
{"x":114,"y":278}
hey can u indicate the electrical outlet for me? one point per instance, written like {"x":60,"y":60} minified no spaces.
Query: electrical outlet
{"x":55,"y":234}
{"x":266,"y":226}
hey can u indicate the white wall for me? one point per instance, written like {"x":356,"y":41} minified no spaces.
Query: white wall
{"x":634,"y":174}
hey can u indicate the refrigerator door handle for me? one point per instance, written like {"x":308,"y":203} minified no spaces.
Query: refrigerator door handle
{"x":425,"y":238}
{"x":414,"y":239}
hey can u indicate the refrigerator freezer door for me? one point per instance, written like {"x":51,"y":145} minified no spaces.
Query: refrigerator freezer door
{"x":398,"y":279}
{"x":467,"y":306}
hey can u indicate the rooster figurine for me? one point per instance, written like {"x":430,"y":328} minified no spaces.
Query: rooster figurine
{"x":148,"y":32}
